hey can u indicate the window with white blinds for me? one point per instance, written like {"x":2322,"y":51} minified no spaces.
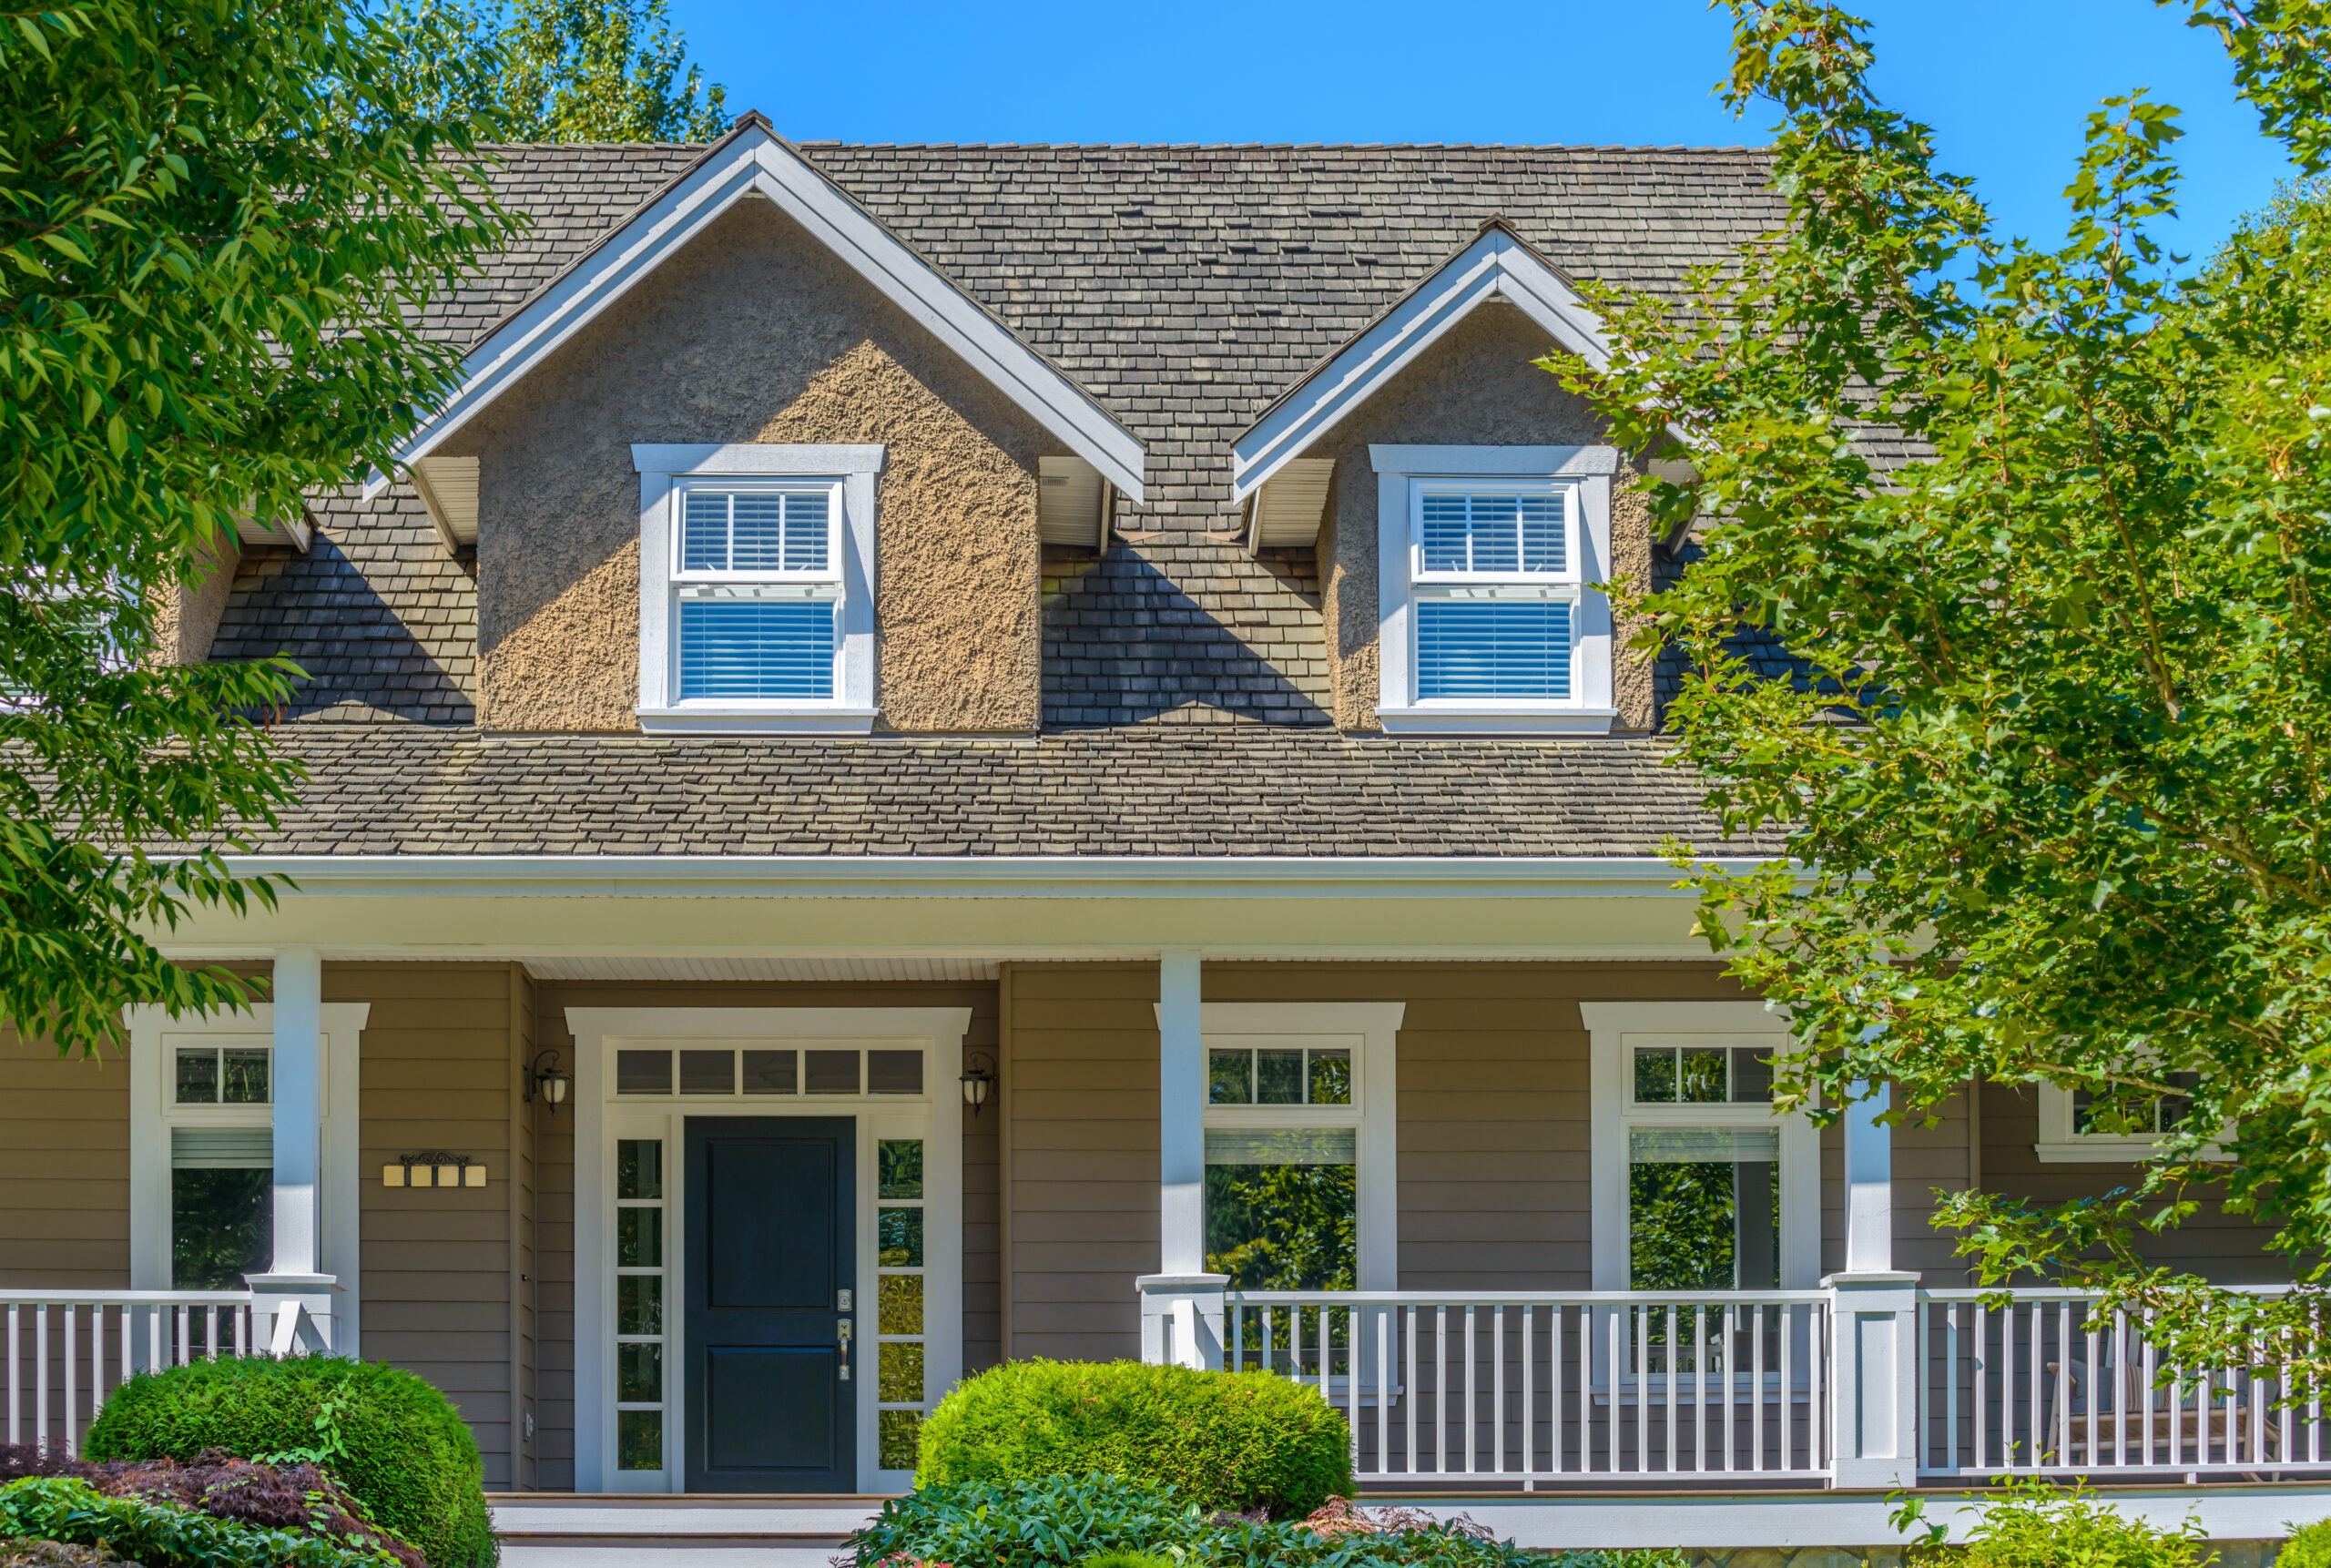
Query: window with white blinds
{"x":756,"y":592}
{"x":1494,"y":569}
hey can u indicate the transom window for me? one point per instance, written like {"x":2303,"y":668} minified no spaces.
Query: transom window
{"x":1495,"y":591}
{"x":222,"y":1076}
{"x":755,"y":1070}
{"x":1251,"y":1075}
{"x":758,"y":592}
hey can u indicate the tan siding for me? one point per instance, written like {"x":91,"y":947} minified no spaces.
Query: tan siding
{"x":437,"y":1264}
{"x":554,"y":1171}
{"x":63,"y":1168}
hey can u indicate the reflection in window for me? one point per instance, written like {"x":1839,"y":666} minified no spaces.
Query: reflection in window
{"x":1704,"y":1209}
{"x":1273,"y":1076}
{"x":640,"y":1267}
{"x":900,"y":1386}
{"x":223,"y":1206}
{"x":2125,"y":1113}
{"x":1701,"y":1075}
{"x":1282,"y":1207}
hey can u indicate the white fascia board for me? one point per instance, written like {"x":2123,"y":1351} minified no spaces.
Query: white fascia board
{"x":1031,"y":876}
{"x":757,"y":163}
{"x":1495,"y":265}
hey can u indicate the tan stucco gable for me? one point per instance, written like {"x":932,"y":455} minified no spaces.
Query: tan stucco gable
{"x":1476,"y":386}
{"x":755,"y":333}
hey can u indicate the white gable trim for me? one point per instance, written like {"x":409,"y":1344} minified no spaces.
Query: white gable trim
{"x":1497,"y":265}
{"x":756,"y":162}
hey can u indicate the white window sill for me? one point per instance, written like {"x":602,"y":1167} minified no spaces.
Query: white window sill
{"x":1495,"y":718}
{"x":2107,"y":1151}
{"x":758,"y":719}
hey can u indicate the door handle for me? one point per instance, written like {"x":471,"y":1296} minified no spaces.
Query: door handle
{"x":842,"y":1334}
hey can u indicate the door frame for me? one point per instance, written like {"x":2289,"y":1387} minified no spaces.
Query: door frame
{"x":936,"y":1116}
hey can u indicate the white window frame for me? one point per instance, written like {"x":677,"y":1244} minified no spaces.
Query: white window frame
{"x":666,"y":473}
{"x":1403,"y":475}
{"x":601,"y":1117}
{"x":1370,"y":1030}
{"x":2059,"y":1145}
{"x":154,"y":1039}
{"x":1614,"y":1030}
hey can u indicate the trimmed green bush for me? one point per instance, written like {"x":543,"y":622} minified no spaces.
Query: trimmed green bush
{"x":2041,"y":1525}
{"x":1223,"y":1439}
{"x":2309,"y":1547}
{"x":157,"y":1535}
{"x":397,"y":1444}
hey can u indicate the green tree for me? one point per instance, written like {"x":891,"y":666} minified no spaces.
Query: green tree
{"x":215,"y":218}
{"x":563,"y":70}
{"x":2051,"y":780}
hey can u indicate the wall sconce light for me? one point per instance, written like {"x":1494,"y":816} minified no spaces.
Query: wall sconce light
{"x":551,"y":1081}
{"x":979,"y":1080}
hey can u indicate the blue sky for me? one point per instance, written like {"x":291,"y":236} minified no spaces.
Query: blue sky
{"x":2006,"y":85}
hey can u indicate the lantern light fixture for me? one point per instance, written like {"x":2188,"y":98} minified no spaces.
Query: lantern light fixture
{"x":979,"y":1080}
{"x":551,"y":1082}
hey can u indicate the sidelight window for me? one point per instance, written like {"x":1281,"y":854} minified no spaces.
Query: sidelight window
{"x":901,"y":1385}
{"x":641,"y":1273}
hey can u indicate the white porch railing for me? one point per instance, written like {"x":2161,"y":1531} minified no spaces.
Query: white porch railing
{"x":66,"y":1350}
{"x":1549,"y":1387}
{"x":2049,"y":1382}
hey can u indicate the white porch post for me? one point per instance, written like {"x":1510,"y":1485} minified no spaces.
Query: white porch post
{"x":293,"y":1281}
{"x":1874,"y":1316}
{"x":1181,"y":1305}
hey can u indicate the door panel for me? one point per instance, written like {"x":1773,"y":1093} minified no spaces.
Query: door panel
{"x":771,"y":1208}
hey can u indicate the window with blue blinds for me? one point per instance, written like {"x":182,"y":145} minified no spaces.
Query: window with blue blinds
{"x":750,"y":531}
{"x":757,"y":648}
{"x":1508,"y":648}
{"x":1477,"y":532}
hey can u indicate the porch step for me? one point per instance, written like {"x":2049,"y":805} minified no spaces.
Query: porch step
{"x":563,"y":1530}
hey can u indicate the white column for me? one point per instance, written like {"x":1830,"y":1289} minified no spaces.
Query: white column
{"x":1181,"y":1115}
{"x":299,"y":997}
{"x":1869,"y":1182}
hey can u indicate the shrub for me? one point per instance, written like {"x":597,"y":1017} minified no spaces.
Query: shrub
{"x":2039,"y":1525}
{"x":159,"y":1535}
{"x":1222,"y":1440}
{"x":2309,"y":1547}
{"x":1121,"y":1559}
{"x":397,"y":1444}
{"x":1064,"y":1521}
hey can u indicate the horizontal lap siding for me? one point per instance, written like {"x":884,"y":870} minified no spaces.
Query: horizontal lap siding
{"x":2226,"y":1249}
{"x":63,"y":1168}
{"x":554,"y":1171}
{"x":438,"y":1077}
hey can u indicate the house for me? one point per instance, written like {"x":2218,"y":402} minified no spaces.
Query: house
{"x":955,"y":752}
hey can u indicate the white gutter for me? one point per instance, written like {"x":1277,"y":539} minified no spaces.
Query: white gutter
{"x":1014,"y":876}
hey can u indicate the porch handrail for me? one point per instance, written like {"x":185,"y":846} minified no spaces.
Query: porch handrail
{"x":12,"y":1297}
{"x":1519,"y":1298}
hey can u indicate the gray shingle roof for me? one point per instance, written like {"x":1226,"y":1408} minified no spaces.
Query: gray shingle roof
{"x":1247,"y":789}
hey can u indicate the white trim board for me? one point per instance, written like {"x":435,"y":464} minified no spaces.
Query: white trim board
{"x":597,"y":1031}
{"x":1497,"y":265}
{"x":754,"y":161}
{"x":151,"y":1115}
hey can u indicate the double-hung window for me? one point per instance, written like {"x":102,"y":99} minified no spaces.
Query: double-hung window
{"x":757,"y":587}
{"x":1491,"y":620}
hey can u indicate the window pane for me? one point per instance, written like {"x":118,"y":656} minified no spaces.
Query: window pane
{"x":1228,"y":1075}
{"x":1279,"y":1077}
{"x":643,"y":1072}
{"x":2110,"y":1114}
{"x":1656,"y":1076}
{"x":1495,"y":533}
{"x":639,"y":1373}
{"x":1702,"y":1078}
{"x":707,"y":1072}
{"x":639,"y":1167}
{"x":756,"y":530}
{"x":833,"y":1072}
{"x":901,"y":1304}
{"x":222,"y":1227}
{"x":1331,"y":1078}
{"x":2175,"y":1109}
{"x":772,"y":1073}
{"x":1752,"y":1076}
{"x":640,"y":1238}
{"x":1541,"y":533}
{"x":894,"y":1071}
{"x":243,"y":1080}
{"x":901,"y":1162}
{"x":901,"y":1439}
{"x":1281,"y":1226}
{"x":639,"y":1439}
{"x":199,"y":1078}
{"x":1512,"y":648}
{"x":639,"y":1303}
{"x":704,"y":533}
{"x":898,"y":1243}
{"x":1707,"y":1225}
{"x":899,"y":1375}
{"x":805,"y":533}
{"x":753,"y":648}
{"x":1444,"y":534}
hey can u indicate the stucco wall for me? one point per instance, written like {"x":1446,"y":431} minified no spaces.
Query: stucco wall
{"x":753,"y":332}
{"x":1476,"y":387}
{"x":187,"y":614}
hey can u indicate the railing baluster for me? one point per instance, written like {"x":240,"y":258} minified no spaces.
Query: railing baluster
{"x":1440,"y":1390}
{"x":15,"y":1383}
{"x":1472,"y":1379}
{"x":1529,"y":1401}
{"x":1555,"y":1450}
{"x":1415,"y":1394}
{"x":1669,"y":1456}
{"x":1383,"y":1387}
{"x":1788,"y":1390}
{"x":1497,"y":1389}
{"x":40,"y":1378}
{"x":1756,"y":1388}
{"x":1611,"y":1449}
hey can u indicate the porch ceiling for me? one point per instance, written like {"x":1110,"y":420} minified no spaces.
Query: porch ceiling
{"x":813,"y":968}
